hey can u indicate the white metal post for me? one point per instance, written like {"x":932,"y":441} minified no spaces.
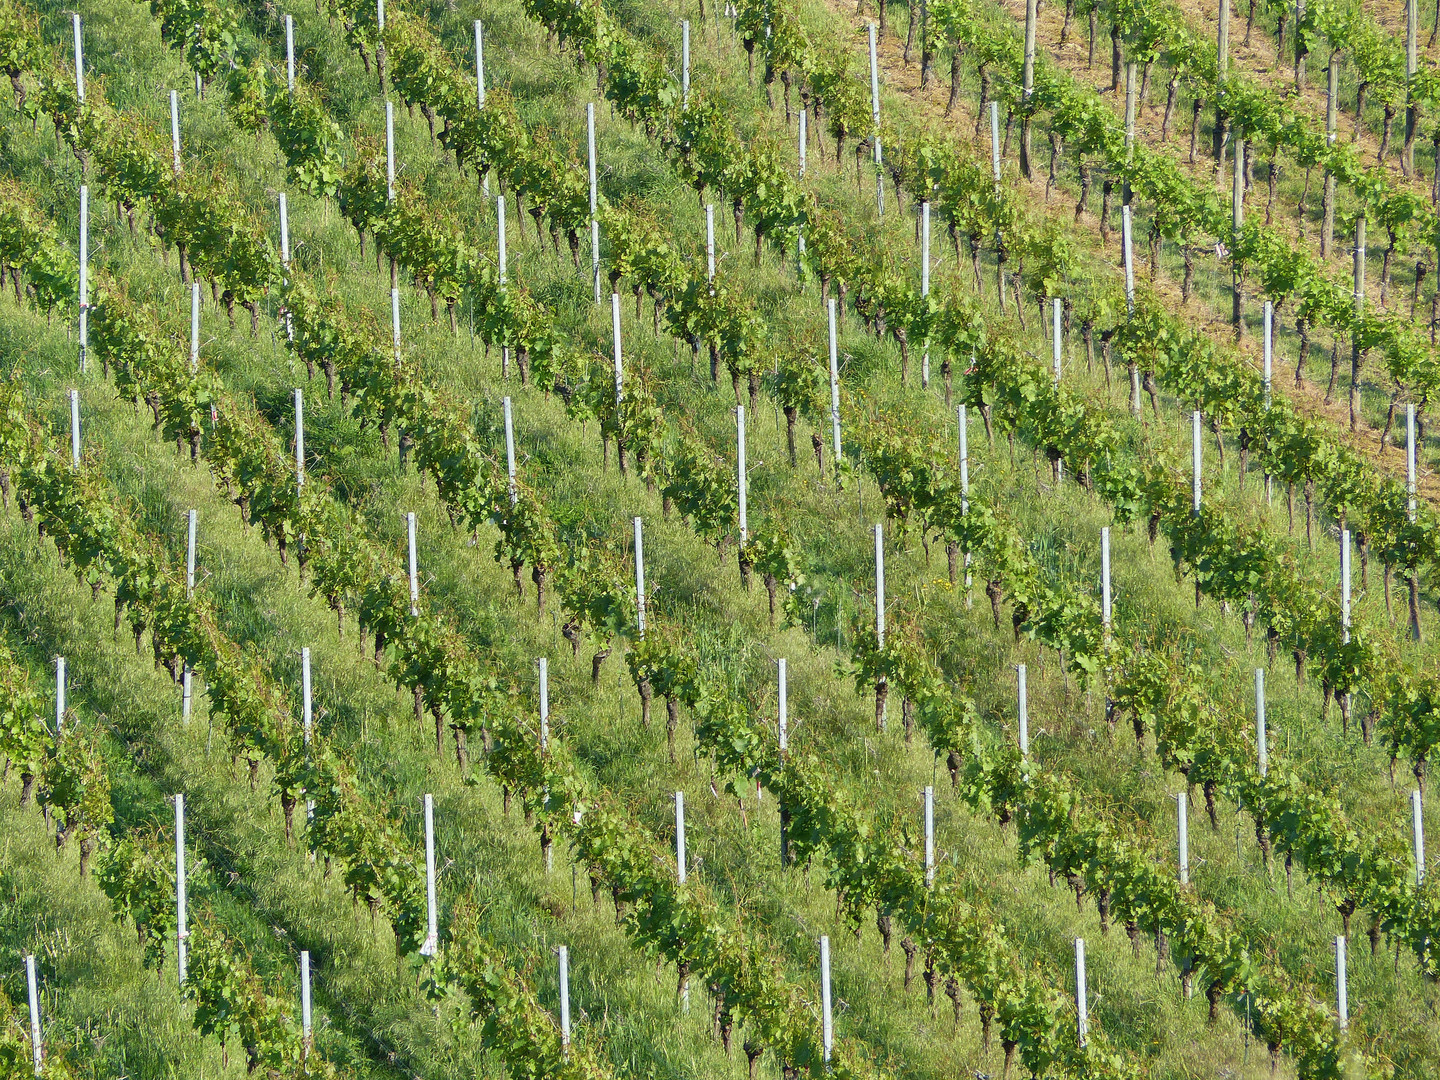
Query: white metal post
{"x":1342,"y":990}
{"x":59,"y":694}
{"x":1410,"y":457}
{"x":284,"y":230}
{"x":1262,"y":751}
{"x":544,"y":704}
{"x":962,"y":424}
{"x":1024,"y":711}
{"x":194,"y":326}
{"x":1082,"y":1009}
{"x":710,"y":243}
{"x":1129,"y":264}
{"x":995,"y":140}
{"x":565,"y":998}
{"x":510,"y":452}
{"x":804,"y":138}
{"x":1195,"y":462}
{"x":389,"y":152}
{"x":740,"y":473}
{"x":501,"y":246}
{"x":84,"y":313}
{"x":827,"y":1024}
{"x":784,"y":707}
{"x":182,"y":923}
{"x":680,"y":836}
{"x":1105,"y":579}
{"x":190,"y":552}
{"x":1269,"y":347}
{"x":395,"y":321}
{"x":299,"y":438}
{"x":290,"y":53}
{"x":1417,"y":825}
{"x":1183,"y":823}
{"x":432,"y":929}
{"x":834,"y":395}
{"x":75,"y":428}
{"x":37,"y":1044}
{"x":479,"y":67}
{"x":175,"y":130}
{"x":306,"y":713}
{"x":880,"y":585}
{"x":875,"y":120}
{"x":79,"y":60}
{"x":685,"y":63}
{"x":414,"y":575}
{"x":306,"y":1029}
{"x":640,"y":577}
{"x":1345,"y":585}
{"x":929,"y":836}
{"x":1055,"y":338}
{"x":594,"y":200}
{"x":924,"y":282}
{"x":619,"y":354}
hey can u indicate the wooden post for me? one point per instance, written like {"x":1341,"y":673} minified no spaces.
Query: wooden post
{"x":175,"y":129}
{"x":1222,"y":56}
{"x":1262,"y":751}
{"x":1342,"y":989}
{"x":182,"y":922}
{"x":84,"y":313}
{"x":510,"y":452}
{"x":1195,"y":463}
{"x":432,"y":930}
{"x":414,"y":576}
{"x":1332,"y":112}
{"x":307,"y":1036}
{"x":929,"y":796}
{"x":1105,"y":579}
{"x":75,"y":428}
{"x":827,"y":1024}
{"x":740,"y":473}
{"x":834,"y":397}
{"x":1024,"y":733}
{"x":564,"y":950}
{"x":594,"y":201}
{"x":59,"y":695}
{"x":299,"y":438}
{"x":640,"y":577}
{"x":1027,"y":87}
{"x":1082,"y":1012}
{"x":37,"y":1043}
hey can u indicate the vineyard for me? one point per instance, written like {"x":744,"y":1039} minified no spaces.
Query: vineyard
{"x":591,"y":540}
